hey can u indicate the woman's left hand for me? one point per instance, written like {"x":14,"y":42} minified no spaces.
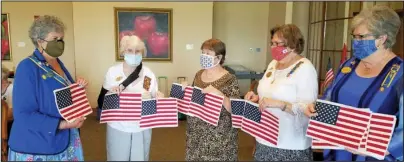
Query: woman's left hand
{"x":82,"y":82}
{"x":269,"y":103}
{"x":211,"y":89}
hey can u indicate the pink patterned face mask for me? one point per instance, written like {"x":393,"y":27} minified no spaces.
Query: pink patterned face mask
{"x":279,"y":52}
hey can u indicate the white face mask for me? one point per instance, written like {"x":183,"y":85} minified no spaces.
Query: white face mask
{"x":208,"y":61}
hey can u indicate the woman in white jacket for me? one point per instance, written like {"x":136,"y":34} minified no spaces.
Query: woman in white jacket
{"x":126,"y":141}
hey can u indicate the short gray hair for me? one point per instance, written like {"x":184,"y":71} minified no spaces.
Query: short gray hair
{"x":44,"y":25}
{"x":380,"y":20}
{"x":4,"y":73}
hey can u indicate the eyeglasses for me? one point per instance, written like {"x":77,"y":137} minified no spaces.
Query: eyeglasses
{"x":360,"y":37}
{"x":277,"y":44}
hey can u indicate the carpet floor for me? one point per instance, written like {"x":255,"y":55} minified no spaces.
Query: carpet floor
{"x":168,"y":144}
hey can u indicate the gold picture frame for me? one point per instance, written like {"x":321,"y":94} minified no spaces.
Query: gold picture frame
{"x":6,"y":52}
{"x":152,"y":25}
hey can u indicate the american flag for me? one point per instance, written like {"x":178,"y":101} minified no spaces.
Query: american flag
{"x":72,"y":102}
{"x":183,"y":97}
{"x":206,"y":107}
{"x":379,"y":135}
{"x":338,"y":124}
{"x":319,"y":144}
{"x":237,"y":109}
{"x":159,"y":113}
{"x":125,"y":106}
{"x":263,"y":125}
{"x":329,"y":76}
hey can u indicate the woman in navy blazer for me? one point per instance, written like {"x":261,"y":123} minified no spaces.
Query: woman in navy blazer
{"x":39,"y":132}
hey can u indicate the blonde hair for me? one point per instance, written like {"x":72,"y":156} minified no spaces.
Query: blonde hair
{"x":4,"y":73}
{"x":380,"y":20}
{"x":132,"y":42}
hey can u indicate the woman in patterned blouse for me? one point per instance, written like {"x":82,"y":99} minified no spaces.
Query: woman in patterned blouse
{"x":205,"y":142}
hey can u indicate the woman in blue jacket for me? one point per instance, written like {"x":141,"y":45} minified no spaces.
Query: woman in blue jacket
{"x":39,"y":132}
{"x":373,"y":78}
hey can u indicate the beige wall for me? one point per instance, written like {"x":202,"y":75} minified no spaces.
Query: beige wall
{"x":277,"y":15}
{"x":95,"y":39}
{"x":243,"y":25}
{"x":21,"y":17}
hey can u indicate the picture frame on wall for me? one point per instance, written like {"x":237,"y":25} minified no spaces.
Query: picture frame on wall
{"x":6,"y":54}
{"x":152,"y":25}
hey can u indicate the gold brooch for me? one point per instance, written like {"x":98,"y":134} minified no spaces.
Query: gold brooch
{"x":269,"y":74}
{"x":353,"y":62}
{"x":346,"y":70}
{"x":381,"y":89}
{"x":43,"y":76}
{"x":118,"y":78}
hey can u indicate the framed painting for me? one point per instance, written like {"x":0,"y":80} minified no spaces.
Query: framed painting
{"x":5,"y":37}
{"x":152,"y":25}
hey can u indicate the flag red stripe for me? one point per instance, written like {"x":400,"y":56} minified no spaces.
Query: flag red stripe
{"x":380,"y":130}
{"x":166,"y":124}
{"x":83,"y":112}
{"x":381,"y":124}
{"x":260,"y":130}
{"x":378,"y":145}
{"x":380,"y":153}
{"x":336,"y":130}
{"x":196,"y":110}
{"x":336,"y":134}
{"x":346,"y":123}
{"x":76,"y":109}
{"x":385,"y":118}
{"x":114,"y":120}
{"x":199,"y":109}
{"x":333,"y":140}
{"x":253,"y":132}
{"x":357,"y":111}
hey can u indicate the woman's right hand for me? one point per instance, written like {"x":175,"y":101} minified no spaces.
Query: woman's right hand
{"x":75,"y":124}
{"x":251,"y":96}
{"x":310,"y":110}
{"x":117,"y":89}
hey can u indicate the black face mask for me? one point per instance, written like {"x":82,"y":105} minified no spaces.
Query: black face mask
{"x":55,"y":48}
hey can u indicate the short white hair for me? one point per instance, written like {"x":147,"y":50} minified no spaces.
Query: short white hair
{"x":132,"y":42}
